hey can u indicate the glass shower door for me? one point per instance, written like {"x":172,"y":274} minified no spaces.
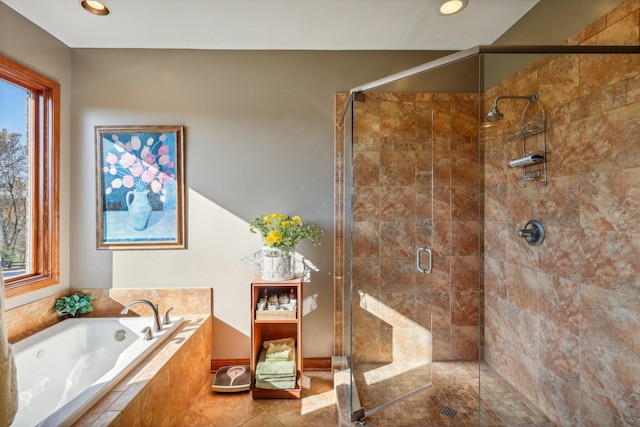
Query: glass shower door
{"x":391,"y":219}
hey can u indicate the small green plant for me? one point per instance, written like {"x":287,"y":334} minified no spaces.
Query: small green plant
{"x":72,"y":305}
{"x":278,"y":230}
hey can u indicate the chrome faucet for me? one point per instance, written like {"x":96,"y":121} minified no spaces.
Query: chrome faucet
{"x":157,"y":327}
{"x":166,"y":319}
{"x":147,"y":334}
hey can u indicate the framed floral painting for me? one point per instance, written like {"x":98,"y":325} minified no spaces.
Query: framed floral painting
{"x":140,"y":187}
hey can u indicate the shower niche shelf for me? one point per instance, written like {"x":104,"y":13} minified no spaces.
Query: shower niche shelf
{"x":532,"y":135}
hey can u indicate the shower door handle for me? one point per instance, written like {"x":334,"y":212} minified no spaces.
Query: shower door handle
{"x":419,"y":260}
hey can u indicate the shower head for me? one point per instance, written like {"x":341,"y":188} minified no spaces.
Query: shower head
{"x":494,"y":115}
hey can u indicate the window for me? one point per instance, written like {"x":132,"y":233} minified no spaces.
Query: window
{"x":29,"y":179}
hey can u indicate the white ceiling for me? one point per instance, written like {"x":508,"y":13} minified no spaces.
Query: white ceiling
{"x":275,"y":24}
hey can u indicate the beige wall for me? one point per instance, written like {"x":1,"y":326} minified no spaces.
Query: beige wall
{"x":258,"y":129}
{"x":28,"y":45}
{"x":259,"y":139}
{"x":551,"y":21}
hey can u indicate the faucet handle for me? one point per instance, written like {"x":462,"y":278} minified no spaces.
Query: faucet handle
{"x":533,"y":233}
{"x":165,"y":318}
{"x":148,"y":334}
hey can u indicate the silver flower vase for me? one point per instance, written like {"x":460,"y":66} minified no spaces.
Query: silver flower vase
{"x":277,"y":264}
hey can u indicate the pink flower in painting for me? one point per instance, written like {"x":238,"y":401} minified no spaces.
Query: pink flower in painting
{"x":136,"y":169}
{"x":147,"y":156}
{"x":143,"y":166}
{"x":135,"y":142}
{"x":149,"y":174}
{"x":112,"y":159}
{"x":164,"y":178}
{"x":127,"y":160}
{"x":127,"y":181}
{"x":156,"y":187}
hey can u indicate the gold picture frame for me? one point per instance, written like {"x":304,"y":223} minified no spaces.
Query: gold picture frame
{"x":140,"y":200}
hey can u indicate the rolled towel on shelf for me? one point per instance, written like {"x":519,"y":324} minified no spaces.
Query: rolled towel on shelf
{"x":526,"y":160}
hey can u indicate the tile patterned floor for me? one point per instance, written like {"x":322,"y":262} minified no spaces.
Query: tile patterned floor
{"x":388,"y":381}
{"x":455,"y":385}
{"x":316,"y":407}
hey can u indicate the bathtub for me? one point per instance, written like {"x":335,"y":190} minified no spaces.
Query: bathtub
{"x":65,"y":369}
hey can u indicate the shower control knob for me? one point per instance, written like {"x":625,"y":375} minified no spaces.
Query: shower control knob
{"x":533,"y":233}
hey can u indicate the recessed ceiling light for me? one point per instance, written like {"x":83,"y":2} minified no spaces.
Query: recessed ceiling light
{"x":95,"y":7}
{"x":449,"y":7}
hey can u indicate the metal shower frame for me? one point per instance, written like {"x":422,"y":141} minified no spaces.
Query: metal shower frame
{"x":465,"y":54}
{"x":357,"y":92}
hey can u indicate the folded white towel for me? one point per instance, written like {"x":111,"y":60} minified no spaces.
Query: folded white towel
{"x":8,"y":382}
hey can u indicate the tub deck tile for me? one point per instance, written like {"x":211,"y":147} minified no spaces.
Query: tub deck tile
{"x":145,"y":396}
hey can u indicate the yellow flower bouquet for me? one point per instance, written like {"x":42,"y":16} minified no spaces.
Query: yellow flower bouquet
{"x":278,"y":230}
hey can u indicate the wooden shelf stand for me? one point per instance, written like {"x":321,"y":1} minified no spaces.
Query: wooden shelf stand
{"x":272,"y":329}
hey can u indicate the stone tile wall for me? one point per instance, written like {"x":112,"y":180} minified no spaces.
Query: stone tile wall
{"x":401,"y":141}
{"x":562,"y":318}
{"x":559,"y":318}
{"x":33,"y":317}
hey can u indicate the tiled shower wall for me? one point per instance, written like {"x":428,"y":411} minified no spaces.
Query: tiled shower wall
{"x":400,"y":142}
{"x":563,"y":319}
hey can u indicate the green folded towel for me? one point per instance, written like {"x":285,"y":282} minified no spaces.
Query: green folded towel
{"x":276,"y":385}
{"x":276,"y":367}
{"x":275,"y":377}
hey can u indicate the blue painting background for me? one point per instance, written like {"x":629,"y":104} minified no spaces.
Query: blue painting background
{"x":116,"y":200}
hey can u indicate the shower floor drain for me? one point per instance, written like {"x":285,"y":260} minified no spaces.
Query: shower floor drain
{"x":449,"y":412}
